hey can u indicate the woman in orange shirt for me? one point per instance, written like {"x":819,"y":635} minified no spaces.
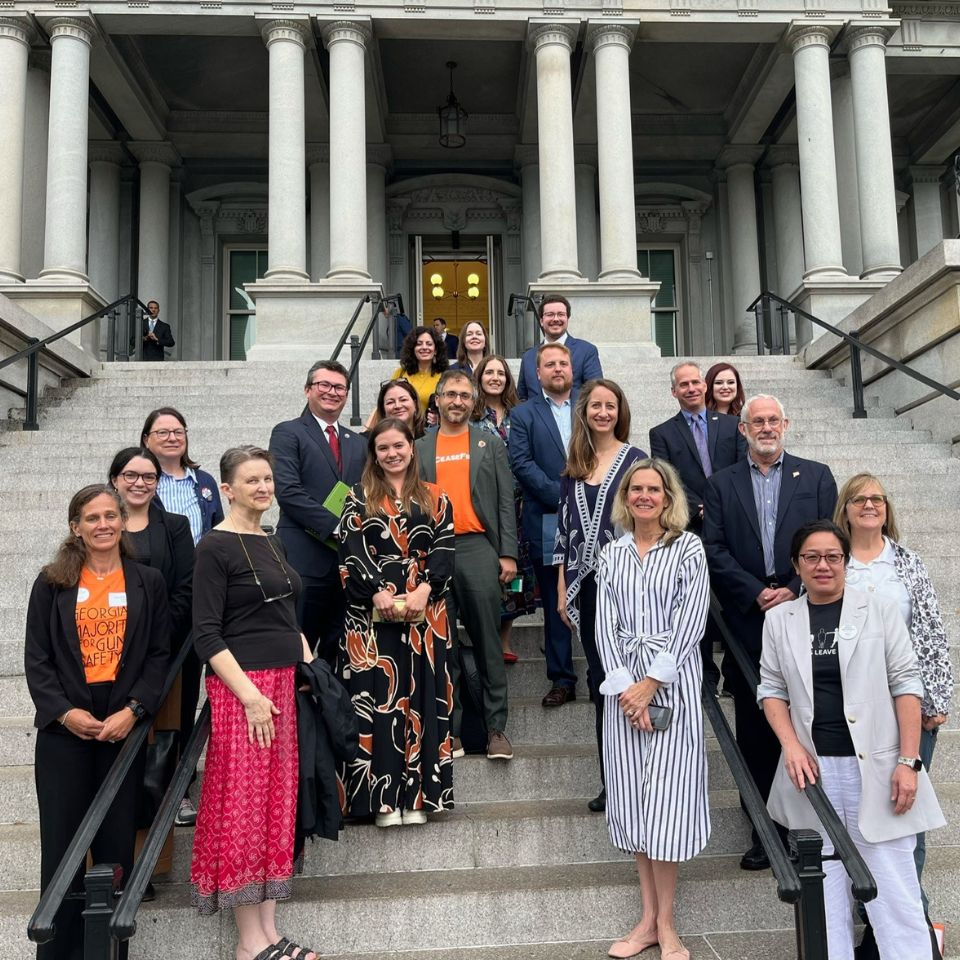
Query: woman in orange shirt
{"x":91,"y":607}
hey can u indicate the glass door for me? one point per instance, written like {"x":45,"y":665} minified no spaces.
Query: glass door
{"x":659,"y":263}
{"x":242,"y":264}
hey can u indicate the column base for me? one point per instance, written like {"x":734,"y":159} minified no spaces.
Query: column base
{"x":558,"y":277}
{"x":286,"y":275}
{"x":59,"y":304}
{"x":831,"y":300}
{"x":303,"y":321}
{"x":615,"y":316}
{"x":62,"y":275}
{"x":882,"y":274}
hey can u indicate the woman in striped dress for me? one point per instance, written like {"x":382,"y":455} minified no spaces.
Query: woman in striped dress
{"x":652,"y":599}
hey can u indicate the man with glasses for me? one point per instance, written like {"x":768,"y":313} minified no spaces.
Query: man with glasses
{"x":751,"y":511}
{"x":314,"y":459}
{"x":554,"y":319}
{"x":470,"y":464}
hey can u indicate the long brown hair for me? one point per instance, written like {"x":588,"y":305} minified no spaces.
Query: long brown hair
{"x":509,"y":397}
{"x":419,"y":421}
{"x":462,"y":358}
{"x":582,"y":458}
{"x":376,"y":489}
{"x":736,"y":405}
{"x":408,"y":352}
{"x":64,"y":569}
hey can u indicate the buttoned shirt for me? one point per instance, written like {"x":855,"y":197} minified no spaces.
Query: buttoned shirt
{"x":766,"y":496}
{"x":562,"y":339}
{"x":325,"y":424}
{"x":880,"y":576}
{"x":179,"y":495}
{"x":700,"y":415}
{"x":562,"y":415}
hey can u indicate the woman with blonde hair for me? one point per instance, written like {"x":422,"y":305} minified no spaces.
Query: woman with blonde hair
{"x":599,"y":457}
{"x":652,"y":597}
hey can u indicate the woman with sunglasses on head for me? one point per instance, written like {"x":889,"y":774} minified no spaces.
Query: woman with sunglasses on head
{"x":245,"y":628}
{"x":423,"y":358}
{"x":398,"y":399}
{"x":474,"y":346}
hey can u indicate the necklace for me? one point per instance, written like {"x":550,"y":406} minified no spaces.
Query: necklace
{"x":256,"y":576}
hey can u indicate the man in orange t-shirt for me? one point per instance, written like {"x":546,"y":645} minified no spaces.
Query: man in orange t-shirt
{"x":471,"y":465}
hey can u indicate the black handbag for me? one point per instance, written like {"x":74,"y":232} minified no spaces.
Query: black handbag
{"x":160,"y":765}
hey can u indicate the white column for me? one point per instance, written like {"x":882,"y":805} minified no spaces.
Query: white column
{"x":153,"y":264}
{"x":14,"y":52}
{"x":103,"y":237}
{"x":744,"y":241}
{"x":866,"y":49}
{"x":526,"y":158}
{"x":378,"y":157}
{"x":845,"y":154}
{"x":552,"y":44}
{"x":346,"y":41}
{"x":585,"y":177}
{"x":287,"y":186}
{"x":318,"y":165}
{"x":618,"y":215}
{"x":65,"y":231}
{"x":818,"y":171}
{"x":927,"y":208}
{"x":788,"y":226}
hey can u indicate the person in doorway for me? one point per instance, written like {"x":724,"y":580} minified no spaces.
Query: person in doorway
{"x":474,"y":346}
{"x":157,"y":335}
{"x":450,"y":342}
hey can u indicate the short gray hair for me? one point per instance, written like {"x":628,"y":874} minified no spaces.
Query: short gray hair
{"x":457,"y":374}
{"x":745,"y":412}
{"x":677,"y":366}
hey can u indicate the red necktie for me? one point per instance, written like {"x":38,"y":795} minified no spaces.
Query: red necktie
{"x":335,"y":447}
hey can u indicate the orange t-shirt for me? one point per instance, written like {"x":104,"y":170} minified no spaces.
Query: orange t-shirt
{"x":453,"y":475}
{"x":101,"y":623}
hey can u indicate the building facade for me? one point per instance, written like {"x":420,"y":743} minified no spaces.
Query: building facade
{"x":256,"y":168}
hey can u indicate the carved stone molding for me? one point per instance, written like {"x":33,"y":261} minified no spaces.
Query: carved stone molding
{"x":868,"y":35}
{"x":612,"y":35}
{"x":380,"y":153}
{"x":347,"y":31}
{"x":77,"y":28}
{"x":155,"y":151}
{"x":16,"y":28}
{"x":782,"y":154}
{"x":289,"y":29}
{"x":546,"y":34}
{"x":105,"y":151}
{"x":926,"y":174}
{"x":810,"y":35}
{"x":737,"y":154}
{"x":928,"y":11}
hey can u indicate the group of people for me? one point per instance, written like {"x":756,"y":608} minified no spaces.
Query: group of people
{"x":403,"y":555}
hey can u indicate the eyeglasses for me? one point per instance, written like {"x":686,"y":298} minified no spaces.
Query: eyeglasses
{"x":256,"y":576}
{"x":392,"y":380}
{"x":761,"y":421}
{"x":860,"y":499}
{"x":177,"y":434}
{"x":131,"y":477}
{"x":559,"y":315}
{"x":812,"y":559}
{"x":464,"y":395}
{"x":324,"y":386}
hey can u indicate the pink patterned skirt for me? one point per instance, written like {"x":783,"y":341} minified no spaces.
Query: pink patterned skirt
{"x":246,"y":822}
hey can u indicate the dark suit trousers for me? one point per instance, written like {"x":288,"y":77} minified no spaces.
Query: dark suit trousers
{"x":475,"y":599}
{"x":587,"y":603}
{"x":712,"y":635}
{"x":558,"y":643}
{"x":321,"y":613}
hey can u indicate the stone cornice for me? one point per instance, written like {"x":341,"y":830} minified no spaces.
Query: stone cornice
{"x":782,"y":154}
{"x":105,"y":151}
{"x":623,"y":33}
{"x":943,"y":10}
{"x":17,"y":27}
{"x":155,"y":151}
{"x":739,"y":154}
{"x":294,"y":29}
{"x":541,"y":34}
{"x":869,"y":34}
{"x":78,"y":27}
{"x":352,"y":31}
{"x":804,"y":33}
{"x":927,"y":174}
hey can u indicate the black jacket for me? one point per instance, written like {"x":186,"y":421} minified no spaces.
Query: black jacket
{"x":52,"y":663}
{"x":155,"y":350}
{"x":328,"y":732}
{"x":171,"y":552}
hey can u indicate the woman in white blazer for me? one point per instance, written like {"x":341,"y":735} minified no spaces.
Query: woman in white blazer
{"x":840,"y":686}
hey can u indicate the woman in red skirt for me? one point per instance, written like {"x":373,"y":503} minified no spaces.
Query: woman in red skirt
{"x":245,"y":627}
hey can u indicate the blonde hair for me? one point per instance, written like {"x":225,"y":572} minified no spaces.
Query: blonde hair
{"x":851,"y":488}
{"x":582,"y":458}
{"x":675,"y":516}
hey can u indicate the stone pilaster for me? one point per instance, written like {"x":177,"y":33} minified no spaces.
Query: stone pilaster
{"x":318,"y":165}
{"x":927,"y":208}
{"x":103,"y":239}
{"x":527,"y":158}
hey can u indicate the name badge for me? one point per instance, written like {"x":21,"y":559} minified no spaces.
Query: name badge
{"x":83,"y":595}
{"x":117,"y":599}
{"x":847,"y":632}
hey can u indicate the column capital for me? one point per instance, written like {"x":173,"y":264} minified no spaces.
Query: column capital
{"x":545,"y":33}
{"x":623,"y":33}
{"x":860,"y":34}
{"x":77,"y":27}
{"x":292,"y":29}
{"x":926,"y":174}
{"x":318,"y":153}
{"x":352,"y":31}
{"x":17,"y":28}
{"x":155,"y":151}
{"x":380,"y":154}
{"x":739,"y":155}
{"x":804,"y":33}
{"x":783,"y":155}
{"x":526,"y":155}
{"x":105,"y":151}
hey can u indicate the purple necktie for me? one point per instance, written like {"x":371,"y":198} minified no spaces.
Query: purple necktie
{"x":700,"y":439}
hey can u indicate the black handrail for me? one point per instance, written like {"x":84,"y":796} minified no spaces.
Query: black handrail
{"x":853,"y":340}
{"x":41,"y":926}
{"x":864,"y":886}
{"x":123,"y":925}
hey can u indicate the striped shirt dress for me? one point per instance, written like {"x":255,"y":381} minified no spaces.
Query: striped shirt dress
{"x":651,"y":615}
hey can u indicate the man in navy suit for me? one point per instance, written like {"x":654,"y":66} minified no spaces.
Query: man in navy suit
{"x":157,"y":335}
{"x":584,"y":359}
{"x":310,"y":456}
{"x":539,"y":440}
{"x":750,"y":514}
{"x":450,"y":342}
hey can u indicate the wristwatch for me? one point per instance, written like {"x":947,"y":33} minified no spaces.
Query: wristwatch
{"x":914,"y":763}
{"x":136,"y":708}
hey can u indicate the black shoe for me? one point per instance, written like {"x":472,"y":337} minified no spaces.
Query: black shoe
{"x":599,"y":803}
{"x":150,"y":893}
{"x":755,"y":858}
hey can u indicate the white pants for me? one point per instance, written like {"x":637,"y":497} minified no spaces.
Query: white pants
{"x":896,"y":914}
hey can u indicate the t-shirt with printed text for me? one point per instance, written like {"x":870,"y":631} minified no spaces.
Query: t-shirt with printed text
{"x":101,"y":616}
{"x":453,"y":476}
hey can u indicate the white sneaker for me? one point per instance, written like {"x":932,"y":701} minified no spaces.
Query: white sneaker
{"x":458,"y":750}
{"x":411,"y":817}
{"x":187,"y":814}
{"x":392,"y":819}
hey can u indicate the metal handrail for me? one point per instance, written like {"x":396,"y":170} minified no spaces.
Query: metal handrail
{"x":853,"y":341}
{"x":41,"y":926}
{"x":864,"y":886}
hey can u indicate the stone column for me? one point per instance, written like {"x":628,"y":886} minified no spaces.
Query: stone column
{"x":927,"y":209}
{"x":845,"y":154}
{"x":153,"y":266}
{"x":103,"y":239}
{"x":287,"y":191}
{"x":818,"y":172}
{"x":65,"y":230}
{"x":15,"y":36}
{"x":552,"y":43}
{"x":318,"y":163}
{"x":526,"y":157}
{"x":788,"y":223}
{"x":611,"y":43}
{"x":378,"y":159}
{"x":866,"y":48}
{"x":585,"y":176}
{"x":739,"y":162}
{"x":346,"y":41}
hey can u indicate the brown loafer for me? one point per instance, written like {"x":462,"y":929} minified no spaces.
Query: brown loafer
{"x":558,"y":696}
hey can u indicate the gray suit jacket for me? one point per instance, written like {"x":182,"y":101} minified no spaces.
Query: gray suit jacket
{"x":491,"y":485}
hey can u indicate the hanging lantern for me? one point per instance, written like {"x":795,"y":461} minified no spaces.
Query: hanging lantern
{"x":453,"y":118}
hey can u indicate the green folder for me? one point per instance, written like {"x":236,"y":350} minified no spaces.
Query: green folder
{"x":336,"y":498}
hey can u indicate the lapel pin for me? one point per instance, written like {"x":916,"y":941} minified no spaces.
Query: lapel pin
{"x":847,"y":632}
{"x":714,"y":418}
{"x":796,"y":473}
{"x":481,"y":443}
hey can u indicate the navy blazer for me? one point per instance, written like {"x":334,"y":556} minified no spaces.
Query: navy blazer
{"x":586,"y":366}
{"x":304,"y":474}
{"x":165,"y":341}
{"x":731,"y":529}
{"x":537,"y":457}
{"x":452,"y":344}
{"x":673,"y":441}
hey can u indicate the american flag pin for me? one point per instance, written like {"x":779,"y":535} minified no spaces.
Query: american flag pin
{"x":796,"y":473}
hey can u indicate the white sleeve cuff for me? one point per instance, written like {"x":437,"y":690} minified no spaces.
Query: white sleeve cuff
{"x":616,"y":681}
{"x":664,"y":668}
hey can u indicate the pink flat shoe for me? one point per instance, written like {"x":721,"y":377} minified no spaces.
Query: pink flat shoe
{"x":627,"y":947}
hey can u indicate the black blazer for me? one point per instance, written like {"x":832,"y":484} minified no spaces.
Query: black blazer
{"x":304,"y":473}
{"x":673,"y":441}
{"x":452,"y":344}
{"x":52,"y":661}
{"x":731,"y":529}
{"x":171,"y":552}
{"x":163,"y":333}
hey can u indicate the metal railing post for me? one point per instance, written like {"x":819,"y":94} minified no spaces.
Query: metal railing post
{"x":101,"y":883}
{"x":32,"y":421}
{"x":856,"y":378}
{"x":785,"y":329}
{"x":355,"y":419}
{"x":758,"y":308}
{"x":112,"y":335}
{"x":806,"y":847}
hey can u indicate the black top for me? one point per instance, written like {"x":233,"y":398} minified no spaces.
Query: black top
{"x":592,"y":492}
{"x":830,"y":734}
{"x":229,"y":611}
{"x":140,"y":543}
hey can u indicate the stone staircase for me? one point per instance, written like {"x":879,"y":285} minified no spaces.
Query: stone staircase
{"x":520,"y":868}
